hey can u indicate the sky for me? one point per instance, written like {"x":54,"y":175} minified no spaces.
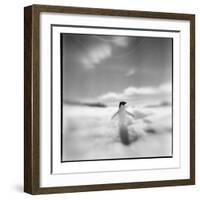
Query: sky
{"x":109,"y":69}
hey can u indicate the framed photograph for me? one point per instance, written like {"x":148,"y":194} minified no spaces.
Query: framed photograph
{"x":109,"y":99}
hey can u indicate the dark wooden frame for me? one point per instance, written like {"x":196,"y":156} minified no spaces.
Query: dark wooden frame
{"x":32,"y":105}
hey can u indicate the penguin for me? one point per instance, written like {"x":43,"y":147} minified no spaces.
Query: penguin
{"x":123,"y":128}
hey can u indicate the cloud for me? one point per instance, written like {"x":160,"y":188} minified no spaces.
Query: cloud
{"x":139,"y":91}
{"x":120,"y":41}
{"x":163,"y":88}
{"x":130,"y":92}
{"x":167,"y":87}
{"x":130,"y":72}
{"x":102,"y":50}
{"x":109,"y":96}
{"x":96,"y":55}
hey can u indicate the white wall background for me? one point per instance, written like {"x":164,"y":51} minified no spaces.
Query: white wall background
{"x":11,"y":100}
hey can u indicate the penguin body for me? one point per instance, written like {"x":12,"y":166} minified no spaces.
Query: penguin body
{"x":123,"y":128}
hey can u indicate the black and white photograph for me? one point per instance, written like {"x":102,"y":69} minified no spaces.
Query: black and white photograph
{"x":116,"y":97}
{"x":109,"y":99}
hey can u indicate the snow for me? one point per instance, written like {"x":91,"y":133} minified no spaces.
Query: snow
{"x":90,"y":134}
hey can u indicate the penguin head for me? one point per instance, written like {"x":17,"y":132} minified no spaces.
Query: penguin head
{"x":122,"y":103}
